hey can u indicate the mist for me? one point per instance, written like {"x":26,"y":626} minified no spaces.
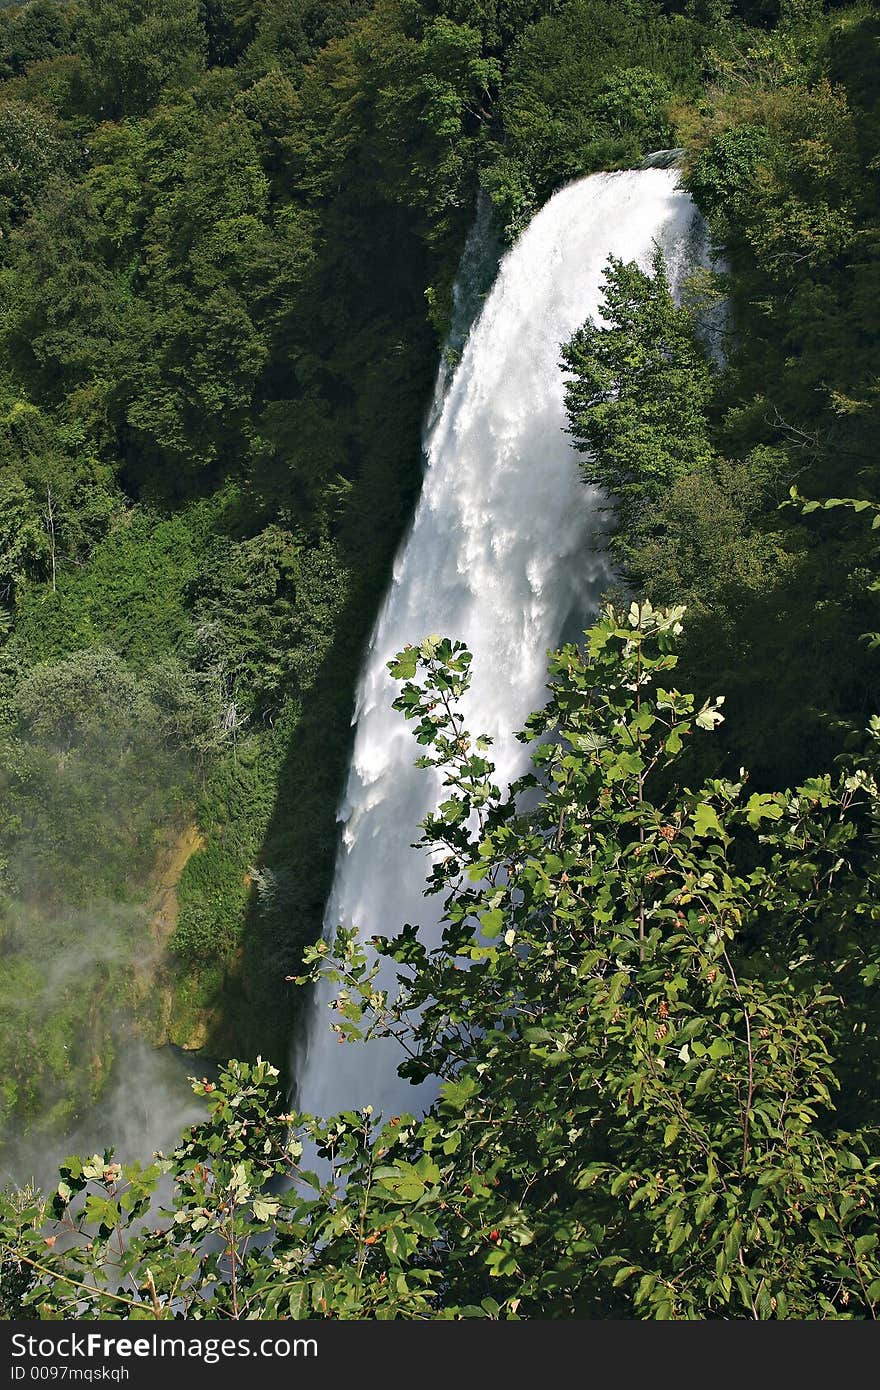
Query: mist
{"x":92,"y":790}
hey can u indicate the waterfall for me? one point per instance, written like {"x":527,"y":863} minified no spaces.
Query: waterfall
{"x":503,"y":553}
{"x":476,"y":271}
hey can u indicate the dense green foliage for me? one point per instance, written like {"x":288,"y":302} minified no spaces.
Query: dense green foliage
{"x":637,"y":395}
{"x":228,"y":232}
{"x":636,"y":1014}
{"x":703,"y":456}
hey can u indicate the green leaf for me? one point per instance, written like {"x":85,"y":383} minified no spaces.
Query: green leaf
{"x":709,"y":716}
{"x":405,"y":665}
{"x":762,"y":807}
{"x":674,"y":742}
{"x":704,"y":1081}
{"x":706,"y":821}
{"x":265,"y":1208}
{"x":406,"y":1184}
{"x":492,"y":922}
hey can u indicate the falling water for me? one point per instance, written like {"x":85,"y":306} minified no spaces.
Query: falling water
{"x":504,"y":553}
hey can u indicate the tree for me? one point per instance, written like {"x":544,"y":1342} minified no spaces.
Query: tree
{"x":500,"y":21}
{"x":587,"y":86}
{"x":65,"y":307}
{"x":31,"y":152}
{"x":97,"y":761}
{"x":265,"y":615}
{"x":35,"y":31}
{"x":24,"y":547}
{"x":637,"y":392}
{"x":288,"y":33}
{"x":68,"y":493}
{"x":633,"y":1035}
{"x":636,"y":101}
{"x":137,"y":48}
{"x":401,"y":98}
{"x":196,"y":345}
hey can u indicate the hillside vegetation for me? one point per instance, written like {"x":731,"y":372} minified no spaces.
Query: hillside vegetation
{"x":229,"y":235}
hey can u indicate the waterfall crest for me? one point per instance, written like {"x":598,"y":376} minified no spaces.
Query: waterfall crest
{"x":503,"y":554}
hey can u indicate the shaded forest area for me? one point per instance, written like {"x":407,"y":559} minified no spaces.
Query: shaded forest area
{"x":229,"y":233}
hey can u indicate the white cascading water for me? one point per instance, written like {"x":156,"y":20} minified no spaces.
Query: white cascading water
{"x":503,"y":554}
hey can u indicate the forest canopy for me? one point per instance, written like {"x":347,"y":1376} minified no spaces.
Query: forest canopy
{"x":229,"y":232}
